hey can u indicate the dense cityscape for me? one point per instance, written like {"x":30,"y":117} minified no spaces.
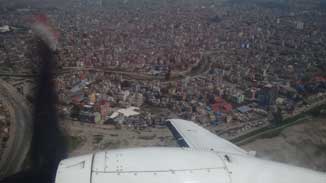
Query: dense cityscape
{"x":230,"y":66}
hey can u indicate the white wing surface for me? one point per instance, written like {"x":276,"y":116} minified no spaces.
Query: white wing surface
{"x":189,"y":134}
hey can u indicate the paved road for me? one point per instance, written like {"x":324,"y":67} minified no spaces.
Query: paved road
{"x":200,"y":68}
{"x":203,"y":67}
{"x":20,"y":131}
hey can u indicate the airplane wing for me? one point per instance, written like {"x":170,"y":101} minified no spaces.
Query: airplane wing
{"x":189,"y":134}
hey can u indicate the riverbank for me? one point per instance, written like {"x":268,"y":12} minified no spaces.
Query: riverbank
{"x":286,"y":122}
{"x":302,"y":144}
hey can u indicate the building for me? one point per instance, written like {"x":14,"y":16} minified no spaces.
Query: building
{"x":299,"y":25}
{"x":267,"y":95}
{"x":244,"y":109}
{"x":237,"y":98}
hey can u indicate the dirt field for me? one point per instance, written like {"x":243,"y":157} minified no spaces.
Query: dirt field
{"x":302,"y":145}
{"x":82,"y":139}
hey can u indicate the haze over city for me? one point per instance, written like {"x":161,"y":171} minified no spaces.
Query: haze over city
{"x":84,"y":76}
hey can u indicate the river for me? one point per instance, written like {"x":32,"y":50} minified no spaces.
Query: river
{"x":303,"y":144}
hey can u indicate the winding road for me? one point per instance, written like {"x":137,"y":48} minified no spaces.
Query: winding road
{"x":201,"y":67}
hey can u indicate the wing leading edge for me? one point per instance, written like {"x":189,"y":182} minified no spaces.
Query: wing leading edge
{"x":189,"y":134}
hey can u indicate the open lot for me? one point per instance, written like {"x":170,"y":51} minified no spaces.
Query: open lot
{"x":302,"y":145}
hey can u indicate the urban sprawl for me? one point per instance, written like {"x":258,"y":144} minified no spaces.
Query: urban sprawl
{"x":230,"y":66}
